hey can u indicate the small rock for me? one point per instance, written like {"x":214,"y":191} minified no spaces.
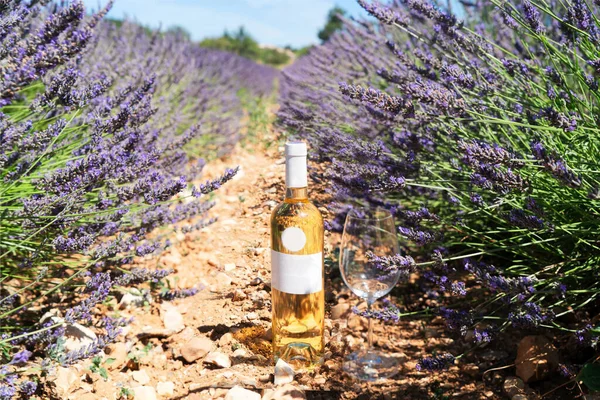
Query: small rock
{"x":132,"y":298}
{"x":226,"y":339}
{"x":144,"y":392}
{"x":239,"y":353}
{"x":173,"y":320}
{"x":196,"y":348}
{"x":239,"y":393}
{"x":251,"y":316}
{"x":284,"y":373}
{"x":471,"y":370}
{"x":320,"y":380}
{"x":140,"y":376}
{"x":239,"y":295}
{"x":78,"y":336}
{"x":213,"y":262}
{"x":259,"y":250}
{"x":218,"y":359}
{"x":65,"y":379}
{"x":118,"y":352}
{"x":165,"y":388}
{"x":265,"y":378}
{"x":256,"y":281}
{"x":519,"y":397}
{"x":513,"y":386}
{"x":536,"y":358}
{"x":285,"y":392}
{"x":340,"y":311}
{"x":229,"y":267}
{"x":223,"y":279}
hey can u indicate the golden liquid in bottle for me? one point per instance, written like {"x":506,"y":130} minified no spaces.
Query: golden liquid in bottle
{"x":298,"y":319}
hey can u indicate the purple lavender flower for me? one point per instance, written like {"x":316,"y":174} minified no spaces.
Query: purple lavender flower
{"x":436,"y":363}
{"x":532,"y":16}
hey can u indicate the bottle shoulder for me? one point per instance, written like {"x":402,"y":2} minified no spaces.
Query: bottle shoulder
{"x":299,"y":209}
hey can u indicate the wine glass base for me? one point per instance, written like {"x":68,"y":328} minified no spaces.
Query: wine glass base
{"x":370,"y":365}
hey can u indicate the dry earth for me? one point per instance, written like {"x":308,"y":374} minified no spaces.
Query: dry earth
{"x":163,"y":353}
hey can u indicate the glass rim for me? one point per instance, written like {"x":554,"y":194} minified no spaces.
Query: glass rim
{"x":376,"y":210}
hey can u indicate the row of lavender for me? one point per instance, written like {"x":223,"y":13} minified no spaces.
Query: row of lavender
{"x":482,"y":137}
{"x":102,"y":130}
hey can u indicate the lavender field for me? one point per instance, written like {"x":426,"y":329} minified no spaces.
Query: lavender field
{"x":138,"y":171}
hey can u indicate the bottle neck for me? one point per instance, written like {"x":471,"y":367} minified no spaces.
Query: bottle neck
{"x":296,"y":181}
{"x":296,"y":193}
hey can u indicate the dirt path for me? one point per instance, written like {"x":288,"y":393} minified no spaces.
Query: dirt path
{"x":163,"y":352}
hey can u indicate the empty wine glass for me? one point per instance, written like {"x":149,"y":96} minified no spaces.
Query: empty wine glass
{"x":368,"y":235}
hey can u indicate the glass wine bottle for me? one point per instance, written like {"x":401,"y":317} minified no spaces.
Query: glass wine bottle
{"x":297,"y":280}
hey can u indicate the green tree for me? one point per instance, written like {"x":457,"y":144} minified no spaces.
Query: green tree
{"x":334,"y":23}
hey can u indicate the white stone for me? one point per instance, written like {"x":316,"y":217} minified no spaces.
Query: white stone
{"x":251,"y":316}
{"x":229,"y":267}
{"x":140,"y":376}
{"x":165,"y":388}
{"x":223,"y":279}
{"x":144,"y":393}
{"x":218,"y":359}
{"x":173,"y":320}
{"x":284,"y":373}
{"x":239,"y":353}
{"x":78,"y":336}
{"x":239,"y":393}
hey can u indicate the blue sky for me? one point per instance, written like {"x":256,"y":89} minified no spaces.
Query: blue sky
{"x":275,"y":22}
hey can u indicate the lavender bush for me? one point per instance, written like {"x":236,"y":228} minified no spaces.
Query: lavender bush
{"x":93,"y":158}
{"x":482,"y":137}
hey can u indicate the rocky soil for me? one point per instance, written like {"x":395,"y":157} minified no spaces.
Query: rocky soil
{"x":216,"y":344}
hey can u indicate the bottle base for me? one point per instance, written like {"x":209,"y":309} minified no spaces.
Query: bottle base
{"x":299,"y":355}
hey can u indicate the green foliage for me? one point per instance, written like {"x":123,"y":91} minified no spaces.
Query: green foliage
{"x":590,"y":376}
{"x":242,"y":43}
{"x":97,"y":367}
{"x":333,"y":24}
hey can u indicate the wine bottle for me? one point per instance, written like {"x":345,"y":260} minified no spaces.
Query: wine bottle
{"x":297,"y":277}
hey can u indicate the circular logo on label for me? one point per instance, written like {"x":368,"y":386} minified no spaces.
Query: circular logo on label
{"x":293,"y":239}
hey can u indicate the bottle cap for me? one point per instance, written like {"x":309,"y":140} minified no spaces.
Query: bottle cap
{"x":295,"y":149}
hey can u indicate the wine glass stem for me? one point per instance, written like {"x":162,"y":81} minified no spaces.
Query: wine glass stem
{"x":370,"y":331}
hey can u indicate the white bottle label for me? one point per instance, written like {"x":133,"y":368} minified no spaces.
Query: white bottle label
{"x":297,"y":274}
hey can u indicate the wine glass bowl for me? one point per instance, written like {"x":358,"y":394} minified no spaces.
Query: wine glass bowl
{"x":369,"y":235}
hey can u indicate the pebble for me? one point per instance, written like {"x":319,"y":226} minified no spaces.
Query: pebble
{"x":286,"y":392}
{"x":284,"y":373}
{"x":140,"y":376}
{"x":226,"y":339}
{"x":218,"y":359}
{"x":173,"y":320}
{"x":212,"y":262}
{"x":196,"y":348}
{"x":251,"y":316}
{"x":223,"y":279}
{"x":471,"y":370}
{"x":239,"y":295}
{"x":536,"y":358}
{"x":239,"y":393}
{"x":513,"y":386}
{"x":144,"y":392}
{"x":264,"y":378}
{"x":78,"y":336}
{"x":165,"y":388}
{"x":239,"y":353}
{"x":229,"y":267}
{"x":256,"y":281}
{"x":65,"y":378}
{"x":132,"y":299}
{"x":340,"y":311}
{"x":259,"y":250}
